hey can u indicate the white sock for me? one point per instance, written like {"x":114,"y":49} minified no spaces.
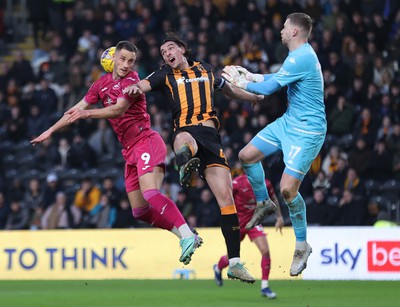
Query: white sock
{"x":301,"y":245}
{"x":233,"y":261}
{"x":176,"y":232}
{"x":185,"y":231}
{"x":217,"y":269}
{"x":264,"y":284}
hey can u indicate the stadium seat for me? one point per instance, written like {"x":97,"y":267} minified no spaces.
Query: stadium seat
{"x":9,"y":161}
{"x":184,"y":274}
{"x":70,"y":177}
{"x":373,"y":187}
{"x":391,"y":190}
{"x":332,"y":200}
{"x":6,"y":147}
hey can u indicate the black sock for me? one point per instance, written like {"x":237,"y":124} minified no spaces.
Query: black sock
{"x":231,"y":231}
{"x":184,"y":155}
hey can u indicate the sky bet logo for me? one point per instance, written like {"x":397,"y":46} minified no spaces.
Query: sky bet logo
{"x":384,"y":256}
{"x":340,"y":256}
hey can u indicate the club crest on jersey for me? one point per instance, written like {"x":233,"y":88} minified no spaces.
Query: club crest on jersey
{"x":108,"y":102}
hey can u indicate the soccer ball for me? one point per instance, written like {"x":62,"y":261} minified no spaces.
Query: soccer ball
{"x":106,"y":60}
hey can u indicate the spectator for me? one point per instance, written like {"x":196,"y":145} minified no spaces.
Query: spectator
{"x":87,"y":197}
{"x":4,"y":211}
{"x":207,"y":210}
{"x":103,"y":215}
{"x":63,"y":150}
{"x":360,"y":157}
{"x":354,"y":184}
{"x":21,"y":69}
{"x":381,"y":162}
{"x":124,"y":218}
{"x":393,"y":140}
{"x":39,"y":18}
{"x":184,"y":204}
{"x":340,"y":119}
{"x":339,"y":176}
{"x":45,"y":97}
{"x":330,"y":162}
{"x":16,"y":125}
{"x":317,"y":209}
{"x":109,"y":189}
{"x":33,"y":197}
{"x":52,"y":187}
{"x":18,"y":217}
{"x":352,"y":210}
{"x":321,"y":182}
{"x":102,"y":141}
{"x":36,"y":122}
{"x":60,"y":215}
{"x":366,"y":126}
{"x":81,"y":155}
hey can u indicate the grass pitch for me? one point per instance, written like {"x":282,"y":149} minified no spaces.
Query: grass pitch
{"x":205,"y":293}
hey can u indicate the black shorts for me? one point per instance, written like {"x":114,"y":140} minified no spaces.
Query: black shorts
{"x":209,"y":142}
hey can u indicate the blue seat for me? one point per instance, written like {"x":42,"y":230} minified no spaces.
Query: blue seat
{"x":184,"y":274}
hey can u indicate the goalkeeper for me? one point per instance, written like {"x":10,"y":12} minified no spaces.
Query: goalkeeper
{"x":299,"y":133}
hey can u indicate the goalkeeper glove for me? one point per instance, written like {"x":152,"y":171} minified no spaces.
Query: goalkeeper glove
{"x":248,"y":75}
{"x":231,"y":74}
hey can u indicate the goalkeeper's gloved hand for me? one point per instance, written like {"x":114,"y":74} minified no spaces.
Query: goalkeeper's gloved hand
{"x":231,"y":74}
{"x":248,"y":75}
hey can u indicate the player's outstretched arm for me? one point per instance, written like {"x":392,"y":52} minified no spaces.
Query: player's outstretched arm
{"x":238,"y":93}
{"x":61,"y":123}
{"x":139,"y":88}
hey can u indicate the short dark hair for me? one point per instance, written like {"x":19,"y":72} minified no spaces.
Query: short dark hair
{"x":127,"y":45}
{"x":301,"y":20}
{"x":174,"y":37}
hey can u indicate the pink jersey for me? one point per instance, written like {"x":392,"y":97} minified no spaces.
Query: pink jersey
{"x":134,"y":124}
{"x":245,"y":200}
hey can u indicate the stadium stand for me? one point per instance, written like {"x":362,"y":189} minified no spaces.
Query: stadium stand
{"x":49,"y":59}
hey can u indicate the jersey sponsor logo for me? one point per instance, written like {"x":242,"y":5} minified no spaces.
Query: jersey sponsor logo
{"x":383,"y":256}
{"x":183,"y":80}
{"x":116,"y":86}
{"x":180,"y":81}
{"x":282,"y":72}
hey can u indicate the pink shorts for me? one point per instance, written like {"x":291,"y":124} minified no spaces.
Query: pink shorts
{"x":141,"y":159}
{"x":256,"y":232}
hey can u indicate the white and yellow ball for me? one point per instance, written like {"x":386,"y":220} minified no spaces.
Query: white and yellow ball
{"x":106,"y":60}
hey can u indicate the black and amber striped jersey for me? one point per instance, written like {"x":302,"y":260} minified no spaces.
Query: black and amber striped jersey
{"x":189,"y":92}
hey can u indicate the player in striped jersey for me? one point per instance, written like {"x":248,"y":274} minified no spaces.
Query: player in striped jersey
{"x":188,"y":87}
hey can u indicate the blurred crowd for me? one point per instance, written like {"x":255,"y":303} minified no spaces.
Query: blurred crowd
{"x":75,"y":180}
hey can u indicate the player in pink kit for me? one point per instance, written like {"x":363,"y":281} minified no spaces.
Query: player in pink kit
{"x":245,"y":204}
{"x":144,"y":150}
